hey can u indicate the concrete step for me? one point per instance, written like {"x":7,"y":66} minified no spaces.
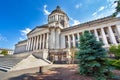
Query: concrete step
{"x":9,"y":67}
{"x":4,"y":69}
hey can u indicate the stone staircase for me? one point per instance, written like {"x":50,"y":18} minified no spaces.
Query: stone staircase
{"x":21,"y":61}
{"x":7,"y":63}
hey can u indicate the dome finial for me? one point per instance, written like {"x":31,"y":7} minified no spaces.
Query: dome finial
{"x":58,"y":7}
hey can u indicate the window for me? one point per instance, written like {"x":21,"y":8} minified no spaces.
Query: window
{"x":113,"y":28}
{"x":106,"y":32}
{"x":71,"y":44}
{"x":76,"y":43}
{"x":66,"y":38}
{"x":99,"y":33}
{"x":117,"y":39}
{"x":76,"y":38}
{"x":66,"y":44}
{"x":108,"y":39}
{"x":66,"y":41}
{"x":71,"y":37}
{"x":92,"y":31}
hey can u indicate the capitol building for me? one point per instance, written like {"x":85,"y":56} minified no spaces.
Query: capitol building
{"x":54,"y":40}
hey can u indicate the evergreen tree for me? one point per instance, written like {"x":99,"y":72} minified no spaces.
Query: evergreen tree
{"x":117,"y":8}
{"x":92,"y":57}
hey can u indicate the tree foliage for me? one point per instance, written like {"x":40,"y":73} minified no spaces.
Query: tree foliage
{"x":117,"y":9}
{"x":4,"y":52}
{"x":92,"y":57}
{"x":116,"y":50}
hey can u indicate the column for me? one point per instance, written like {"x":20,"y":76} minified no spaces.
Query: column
{"x":96,"y":34}
{"x":118,"y":29}
{"x":112,"y":37}
{"x":37,"y":42}
{"x":104,"y":37}
{"x":28,"y":45}
{"x":40,"y":41}
{"x":32,"y":44}
{"x":47,"y":41}
{"x":78,"y":42}
{"x":73,"y":36}
{"x":43,"y":41}
{"x":78,"y":36}
{"x":69,"y":41}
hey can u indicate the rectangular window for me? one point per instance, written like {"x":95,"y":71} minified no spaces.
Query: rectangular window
{"x":66,"y":41}
{"x":99,"y":33}
{"x":108,"y":39}
{"x":92,"y":31}
{"x":117,"y":39}
{"x":76,"y":38}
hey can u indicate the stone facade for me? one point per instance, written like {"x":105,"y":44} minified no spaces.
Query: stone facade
{"x":55,"y":40}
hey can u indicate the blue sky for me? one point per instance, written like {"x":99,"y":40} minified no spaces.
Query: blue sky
{"x":18,"y":17}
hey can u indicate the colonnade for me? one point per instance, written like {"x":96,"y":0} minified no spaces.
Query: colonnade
{"x":114,"y":36}
{"x":38,"y":42}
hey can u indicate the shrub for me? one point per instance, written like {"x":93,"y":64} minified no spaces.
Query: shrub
{"x":115,"y":63}
{"x":116,"y":50}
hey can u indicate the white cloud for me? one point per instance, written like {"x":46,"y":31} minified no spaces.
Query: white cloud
{"x":94,"y":13}
{"x":99,"y":10}
{"x":110,"y":1}
{"x":114,"y":5}
{"x":105,"y":11}
{"x":2,"y":38}
{"x":46,"y":12}
{"x":78,"y":6}
{"x":24,"y":33}
{"x":74,"y":21}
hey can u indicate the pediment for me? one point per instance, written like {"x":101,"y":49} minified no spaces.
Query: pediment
{"x":35,"y":30}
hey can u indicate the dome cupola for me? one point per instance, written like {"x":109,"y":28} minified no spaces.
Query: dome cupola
{"x":59,"y":16}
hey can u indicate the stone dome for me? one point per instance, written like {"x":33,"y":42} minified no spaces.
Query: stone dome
{"x":57,"y":10}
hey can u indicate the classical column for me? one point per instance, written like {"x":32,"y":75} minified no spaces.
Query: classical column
{"x":28,"y":45}
{"x":37,"y":42}
{"x":31,"y":48}
{"x":96,"y":34}
{"x":34,"y":43}
{"x":118,"y":29}
{"x":57,"y":38}
{"x":69,"y":41}
{"x":43,"y":41}
{"x":26,"y":48}
{"x":104,"y":37}
{"x":112,"y":37}
{"x":73,"y":36}
{"x":40,"y":42}
{"x":78,"y":41}
{"x":78,"y":36}
{"x":52,"y":39}
{"x":47,"y":40}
